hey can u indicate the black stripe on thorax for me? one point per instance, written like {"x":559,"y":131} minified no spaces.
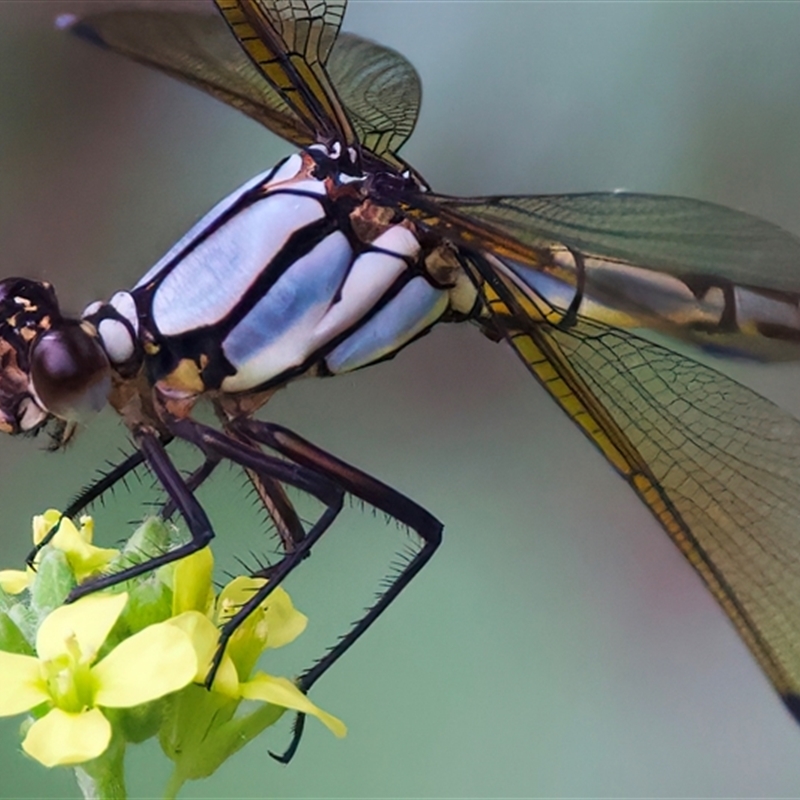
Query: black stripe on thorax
{"x":317,"y":358}
{"x":208,"y":339}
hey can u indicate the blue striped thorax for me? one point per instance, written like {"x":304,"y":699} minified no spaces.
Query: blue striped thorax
{"x":297,"y":272}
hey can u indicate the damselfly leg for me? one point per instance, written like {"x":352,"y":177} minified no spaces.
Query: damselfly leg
{"x":371,"y":491}
{"x":301,"y":465}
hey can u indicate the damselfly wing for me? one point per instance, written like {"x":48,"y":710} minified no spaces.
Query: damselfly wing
{"x":559,"y":278}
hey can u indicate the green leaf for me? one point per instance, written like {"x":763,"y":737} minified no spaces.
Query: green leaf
{"x":54,"y":581}
{"x":12,"y":640}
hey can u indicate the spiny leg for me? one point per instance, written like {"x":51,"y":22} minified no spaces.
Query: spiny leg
{"x":273,"y":497}
{"x":371,"y":491}
{"x":180,"y":493}
{"x":247,"y":456}
{"x":215,"y":446}
{"x":195,"y":480}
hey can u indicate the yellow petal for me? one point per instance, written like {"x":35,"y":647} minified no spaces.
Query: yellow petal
{"x":87,"y":529}
{"x":67,"y":537}
{"x":21,"y":684}
{"x":191,"y":582}
{"x":156,"y":661}
{"x":14,"y":581}
{"x":250,"y":638}
{"x":42,"y":523}
{"x":204,"y":636}
{"x":284,"y":622}
{"x":84,"y":558}
{"x":90,"y":560}
{"x":60,"y":738}
{"x":282,"y":692}
{"x":235,"y":595}
{"x":89,"y":620}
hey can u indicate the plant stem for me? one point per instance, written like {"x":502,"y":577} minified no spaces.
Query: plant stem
{"x":174,"y":784}
{"x":104,"y":778}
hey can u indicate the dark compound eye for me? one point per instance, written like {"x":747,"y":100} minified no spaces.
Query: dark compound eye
{"x":70,"y":371}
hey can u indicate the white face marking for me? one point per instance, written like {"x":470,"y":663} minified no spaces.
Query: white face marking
{"x":210,"y":281}
{"x":117,"y":341}
{"x":123,"y":302}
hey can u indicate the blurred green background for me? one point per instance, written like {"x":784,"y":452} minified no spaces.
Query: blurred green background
{"x":558,"y":645}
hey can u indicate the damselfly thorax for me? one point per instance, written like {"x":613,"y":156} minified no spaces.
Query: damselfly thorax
{"x":300,"y":272}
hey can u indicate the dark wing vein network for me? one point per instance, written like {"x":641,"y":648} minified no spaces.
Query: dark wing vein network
{"x":379,"y":87}
{"x":308,"y":27}
{"x":290,"y":53}
{"x":726,"y":462}
{"x":717,"y":464}
{"x":381,"y":91}
{"x":726,"y":458}
{"x":674,"y":234}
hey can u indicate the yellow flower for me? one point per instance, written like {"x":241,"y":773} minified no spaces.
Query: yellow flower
{"x":83,"y":557}
{"x":15,"y":581}
{"x":275,"y":623}
{"x":156,"y":661}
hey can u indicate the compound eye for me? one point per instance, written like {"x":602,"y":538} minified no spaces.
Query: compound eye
{"x":69,"y":371}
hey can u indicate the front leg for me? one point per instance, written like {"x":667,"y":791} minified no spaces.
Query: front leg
{"x":179,"y":493}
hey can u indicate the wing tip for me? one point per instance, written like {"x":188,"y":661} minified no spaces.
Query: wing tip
{"x":64,"y":22}
{"x":792,"y":703}
{"x":77,"y":27}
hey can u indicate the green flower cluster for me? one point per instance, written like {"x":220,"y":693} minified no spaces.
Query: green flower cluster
{"x":128,"y":665}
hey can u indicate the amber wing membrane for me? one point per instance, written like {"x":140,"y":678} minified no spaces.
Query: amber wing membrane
{"x":379,"y":88}
{"x":289,"y":42}
{"x":718,"y":465}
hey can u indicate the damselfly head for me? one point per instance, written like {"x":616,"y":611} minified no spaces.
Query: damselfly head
{"x":50,"y":366}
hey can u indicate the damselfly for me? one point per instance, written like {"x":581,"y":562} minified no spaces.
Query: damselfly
{"x":550,"y":274}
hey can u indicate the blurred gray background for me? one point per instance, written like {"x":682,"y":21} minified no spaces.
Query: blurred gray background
{"x":558,"y":645}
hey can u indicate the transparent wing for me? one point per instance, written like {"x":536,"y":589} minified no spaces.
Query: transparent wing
{"x":718,"y":465}
{"x":307,"y":27}
{"x":289,"y":41}
{"x":380,"y":89}
{"x":720,"y":278}
{"x":197,"y":49}
{"x":676,"y":235}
